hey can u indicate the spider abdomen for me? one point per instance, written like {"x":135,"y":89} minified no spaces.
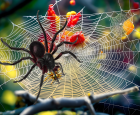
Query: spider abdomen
{"x":37,"y":49}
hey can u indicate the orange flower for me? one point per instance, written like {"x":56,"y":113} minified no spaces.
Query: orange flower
{"x":128,"y":26}
{"x":66,"y":35}
{"x":72,"y":2}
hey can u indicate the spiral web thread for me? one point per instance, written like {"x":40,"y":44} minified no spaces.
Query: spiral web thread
{"x":99,"y":72}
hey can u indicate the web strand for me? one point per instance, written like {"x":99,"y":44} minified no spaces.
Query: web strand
{"x":109,"y":63}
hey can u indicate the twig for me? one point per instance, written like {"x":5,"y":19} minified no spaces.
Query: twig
{"x":13,"y":112}
{"x":100,"y":97}
{"x":28,"y":97}
{"x":54,"y":104}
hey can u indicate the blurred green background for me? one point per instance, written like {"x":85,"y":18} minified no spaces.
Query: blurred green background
{"x":14,"y":10}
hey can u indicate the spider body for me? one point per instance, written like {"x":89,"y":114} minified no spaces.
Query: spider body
{"x":45,"y":60}
{"x":42,"y":56}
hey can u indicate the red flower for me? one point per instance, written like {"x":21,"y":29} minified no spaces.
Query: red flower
{"x":80,"y":36}
{"x":51,"y":13}
{"x":135,"y":7}
{"x":73,"y":19}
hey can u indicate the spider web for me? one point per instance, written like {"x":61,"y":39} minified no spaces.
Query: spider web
{"x":109,"y":63}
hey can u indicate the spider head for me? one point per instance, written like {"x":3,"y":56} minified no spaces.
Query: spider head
{"x":49,"y":61}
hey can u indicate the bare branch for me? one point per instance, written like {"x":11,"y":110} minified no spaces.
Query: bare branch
{"x":100,"y":97}
{"x":27,"y":96}
{"x":13,"y":112}
{"x":55,"y":104}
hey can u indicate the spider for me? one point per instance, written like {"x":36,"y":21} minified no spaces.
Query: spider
{"x":45,"y":61}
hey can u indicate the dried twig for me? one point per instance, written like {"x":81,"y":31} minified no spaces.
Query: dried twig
{"x":54,"y":104}
{"x":28,"y":97}
{"x":13,"y":112}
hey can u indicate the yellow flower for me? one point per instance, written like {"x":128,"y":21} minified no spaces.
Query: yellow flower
{"x":70,"y":13}
{"x":47,"y":113}
{"x":89,"y":94}
{"x":137,"y":33}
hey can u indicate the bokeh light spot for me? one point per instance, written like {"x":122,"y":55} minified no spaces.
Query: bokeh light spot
{"x":8,"y":97}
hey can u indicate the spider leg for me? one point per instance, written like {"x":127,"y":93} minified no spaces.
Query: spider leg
{"x":46,"y":43}
{"x":26,"y":74}
{"x":14,"y":48}
{"x":64,"y":42}
{"x":51,"y":46}
{"x":41,"y":83}
{"x":60,"y":67}
{"x":66,"y":52}
{"x":56,"y":77}
{"x":16,"y":62}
